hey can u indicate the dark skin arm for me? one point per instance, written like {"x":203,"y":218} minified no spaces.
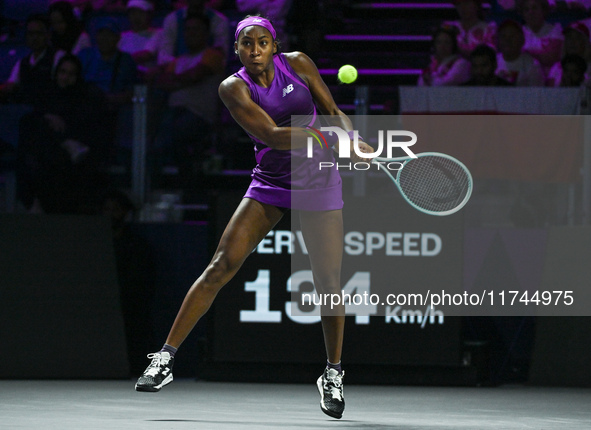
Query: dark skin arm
{"x":254,"y":120}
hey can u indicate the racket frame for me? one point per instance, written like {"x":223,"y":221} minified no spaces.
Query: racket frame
{"x":406,"y":159}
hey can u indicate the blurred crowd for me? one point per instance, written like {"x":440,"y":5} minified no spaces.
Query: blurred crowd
{"x":514,"y":42}
{"x":80,"y":62}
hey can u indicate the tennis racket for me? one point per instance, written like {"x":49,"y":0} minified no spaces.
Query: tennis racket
{"x":433,"y":183}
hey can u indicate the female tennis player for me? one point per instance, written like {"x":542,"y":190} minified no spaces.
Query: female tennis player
{"x":262,"y":97}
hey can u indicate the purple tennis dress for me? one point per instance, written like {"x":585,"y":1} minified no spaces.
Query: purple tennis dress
{"x":287,"y":178}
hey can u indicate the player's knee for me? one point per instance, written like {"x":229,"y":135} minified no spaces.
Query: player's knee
{"x":219,"y":271}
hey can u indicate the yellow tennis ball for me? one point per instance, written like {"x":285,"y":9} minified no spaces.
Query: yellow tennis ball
{"x":347,"y":74}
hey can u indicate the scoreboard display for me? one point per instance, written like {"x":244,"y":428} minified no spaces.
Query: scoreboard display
{"x":260,"y":317}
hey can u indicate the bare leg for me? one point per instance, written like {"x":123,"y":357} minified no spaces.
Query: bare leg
{"x":249,"y":225}
{"x":323,"y":233}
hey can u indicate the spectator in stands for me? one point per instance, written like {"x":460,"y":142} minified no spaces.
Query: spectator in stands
{"x":173,"y":43}
{"x":80,"y":7}
{"x":115,"y":73}
{"x":573,"y":5}
{"x":574,"y":68}
{"x":576,"y":42}
{"x":276,"y":11}
{"x":61,"y":145}
{"x":67,"y":30}
{"x":213,"y":4}
{"x":543,"y":40}
{"x":108,"y":6}
{"x":483,"y":64}
{"x":506,"y":4}
{"x":31,"y":76}
{"x":193,"y":80}
{"x":513,"y":64}
{"x":473,"y":30}
{"x":107,"y":67}
{"x":142,"y":40}
{"x":447,"y":67}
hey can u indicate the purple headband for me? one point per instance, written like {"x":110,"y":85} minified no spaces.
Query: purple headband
{"x":255,"y":20}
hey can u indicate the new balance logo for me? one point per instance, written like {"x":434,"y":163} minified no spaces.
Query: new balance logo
{"x":287,"y":90}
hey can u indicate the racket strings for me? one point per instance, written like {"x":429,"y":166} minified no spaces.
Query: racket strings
{"x":434,"y":183}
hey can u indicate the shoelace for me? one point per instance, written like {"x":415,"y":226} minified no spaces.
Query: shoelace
{"x":334,"y":384}
{"x":154,"y":366}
